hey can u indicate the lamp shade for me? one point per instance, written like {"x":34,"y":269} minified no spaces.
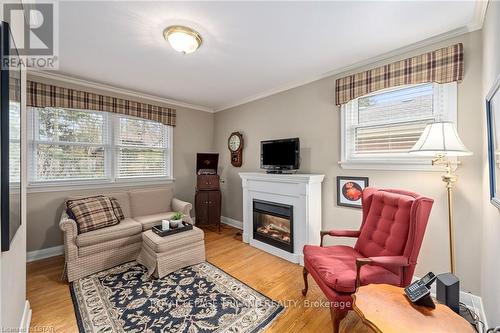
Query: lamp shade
{"x":440,"y":138}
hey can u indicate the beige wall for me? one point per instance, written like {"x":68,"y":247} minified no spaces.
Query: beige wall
{"x":193,"y":133}
{"x":491,"y":218}
{"x":309,"y":112}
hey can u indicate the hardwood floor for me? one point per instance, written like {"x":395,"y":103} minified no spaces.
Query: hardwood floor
{"x":274,"y":277}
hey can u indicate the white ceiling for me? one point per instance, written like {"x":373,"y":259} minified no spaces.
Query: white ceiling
{"x":250,"y":49}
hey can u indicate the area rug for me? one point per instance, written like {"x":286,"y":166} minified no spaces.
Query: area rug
{"x":197,"y":299}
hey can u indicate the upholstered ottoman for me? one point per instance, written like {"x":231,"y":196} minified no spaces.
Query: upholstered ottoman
{"x":164,"y":255}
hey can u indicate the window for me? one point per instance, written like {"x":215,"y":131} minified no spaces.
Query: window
{"x":78,"y":146}
{"x":69,"y":145}
{"x":141,"y":148}
{"x":379,"y":129}
{"x":15,"y":143}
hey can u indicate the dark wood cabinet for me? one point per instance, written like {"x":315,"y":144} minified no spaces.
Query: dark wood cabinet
{"x":208,"y":200}
{"x":208,"y":182}
{"x":201,"y":207}
{"x":214,"y":207}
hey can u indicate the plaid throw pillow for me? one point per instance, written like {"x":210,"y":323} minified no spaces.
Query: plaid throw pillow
{"x":92,"y":213}
{"x":117,"y":209}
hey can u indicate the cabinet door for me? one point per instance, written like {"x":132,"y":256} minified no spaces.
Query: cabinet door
{"x":208,"y":182}
{"x":201,"y":207}
{"x":214,"y":210}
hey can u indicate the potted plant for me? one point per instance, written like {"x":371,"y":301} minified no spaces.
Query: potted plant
{"x":176,"y":220}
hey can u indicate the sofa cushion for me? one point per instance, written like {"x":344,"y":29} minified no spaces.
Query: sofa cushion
{"x":111,"y":245}
{"x":92,"y":213}
{"x":125,"y":228}
{"x":171,"y":243}
{"x":151,"y":201}
{"x":336,"y":265}
{"x":124,"y":201}
{"x":148,"y":221}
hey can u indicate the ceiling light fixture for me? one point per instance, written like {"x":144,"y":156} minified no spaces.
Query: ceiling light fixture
{"x":182,"y":39}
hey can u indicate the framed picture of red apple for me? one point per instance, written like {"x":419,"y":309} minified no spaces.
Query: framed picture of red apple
{"x":349,"y":190}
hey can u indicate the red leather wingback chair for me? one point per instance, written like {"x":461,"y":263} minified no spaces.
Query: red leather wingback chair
{"x":386,"y":251}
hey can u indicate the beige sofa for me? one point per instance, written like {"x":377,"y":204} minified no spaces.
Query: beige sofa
{"x":97,"y":250}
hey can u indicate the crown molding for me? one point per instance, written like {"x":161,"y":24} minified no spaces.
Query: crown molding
{"x":476,"y":24}
{"x":105,"y":87}
{"x":479,"y":15}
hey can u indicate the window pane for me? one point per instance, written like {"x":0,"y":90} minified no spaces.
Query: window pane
{"x":140,"y":162}
{"x":14,"y":142}
{"x":61,"y":125}
{"x":141,"y":133}
{"x":14,"y":121}
{"x":388,"y":139}
{"x":15,"y":162}
{"x":399,"y":105}
{"x":59,"y":162}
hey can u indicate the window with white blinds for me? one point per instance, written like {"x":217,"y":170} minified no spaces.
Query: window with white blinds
{"x":141,"y":148}
{"x":80,"y":146}
{"x":379,"y":129}
{"x":15,"y":143}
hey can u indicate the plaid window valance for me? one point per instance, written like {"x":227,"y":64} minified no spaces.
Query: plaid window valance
{"x":440,"y":66}
{"x":45,"y":95}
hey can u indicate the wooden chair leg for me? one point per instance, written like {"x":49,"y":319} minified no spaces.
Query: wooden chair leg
{"x":337,"y":317}
{"x":306,"y":285}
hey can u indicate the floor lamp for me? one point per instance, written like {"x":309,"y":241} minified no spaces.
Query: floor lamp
{"x":440,"y":140}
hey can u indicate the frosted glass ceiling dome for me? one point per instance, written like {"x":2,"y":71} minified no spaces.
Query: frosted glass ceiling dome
{"x":182,"y":39}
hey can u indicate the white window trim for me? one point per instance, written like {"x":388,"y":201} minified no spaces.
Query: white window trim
{"x":445,"y":99}
{"x":90,"y":185}
{"x":110,"y":180}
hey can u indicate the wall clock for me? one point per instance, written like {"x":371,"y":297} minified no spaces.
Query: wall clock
{"x":235,"y":145}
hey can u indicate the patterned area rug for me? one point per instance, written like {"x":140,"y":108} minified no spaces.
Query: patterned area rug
{"x":197,"y":299}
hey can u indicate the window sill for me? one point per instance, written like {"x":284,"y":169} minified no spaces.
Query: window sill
{"x":103,"y":184}
{"x":392,"y":166}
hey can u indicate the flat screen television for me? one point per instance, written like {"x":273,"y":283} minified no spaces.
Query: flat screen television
{"x":280,"y":155}
{"x":10,"y":138}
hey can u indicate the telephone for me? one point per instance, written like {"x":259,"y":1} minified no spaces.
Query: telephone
{"x":419,"y":291}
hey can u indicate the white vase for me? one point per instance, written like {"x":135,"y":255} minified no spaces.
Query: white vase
{"x":176,"y":223}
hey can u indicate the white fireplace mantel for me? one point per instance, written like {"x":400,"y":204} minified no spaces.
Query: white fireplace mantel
{"x":302,"y":191}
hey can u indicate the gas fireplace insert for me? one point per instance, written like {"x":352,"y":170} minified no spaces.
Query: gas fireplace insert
{"x":273,"y":224}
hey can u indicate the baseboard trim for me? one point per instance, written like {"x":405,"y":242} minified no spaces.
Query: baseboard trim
{"x":477,"y":304}
{"x":24,"y":325}
{"x":231,"y":222}
{"x":44,"y":253}
{"x":473,"y":302}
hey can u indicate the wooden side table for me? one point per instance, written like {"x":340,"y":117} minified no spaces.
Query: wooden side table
{"x":385,"y":309}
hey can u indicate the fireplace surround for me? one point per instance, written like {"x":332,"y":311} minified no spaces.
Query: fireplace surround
{"x":271,"y":200}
